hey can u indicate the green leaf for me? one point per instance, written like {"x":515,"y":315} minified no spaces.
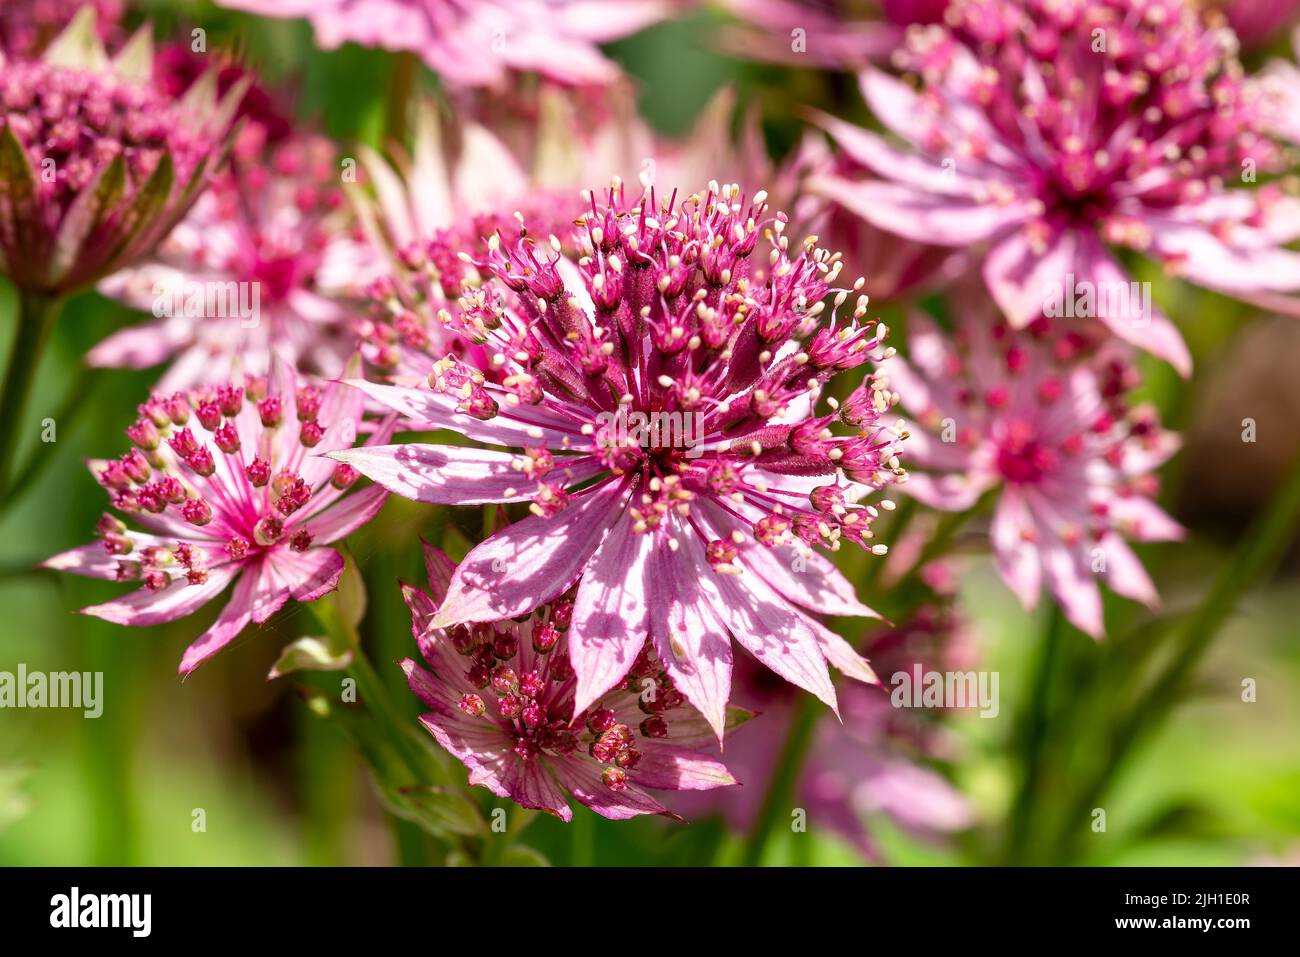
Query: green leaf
{"x":736,"y":716}
{"x":350,"y":597}
{"x":439,"y":810}
{"x":13,"y":802}
{"x":519,"y":855}
{"x":18,"y":205}
{"x":311,"y":654}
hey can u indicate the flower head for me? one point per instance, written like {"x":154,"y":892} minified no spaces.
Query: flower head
{"x":265,"y":263}
{"x":501,"y":699}
{"x":476,"y":42}
{"x":1042,"y":418}
{"x":1051,"y":131}
{"x":658,"y":394}
{"x":229,"y":484}
{"x":97,"y":165}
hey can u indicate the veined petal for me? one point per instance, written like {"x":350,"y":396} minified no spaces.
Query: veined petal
{"x":611,"y":614}
{"x":581,"y":776}
{"x":530,"y":562}
{"x":692,"y":642}
{"x":176,"y":600}
{"x":1015,"y":551}
{"x":343,"y":517}
{"x":1125,"y":574}
{"x":1021,"y":278}
{"x":1152,"y":332}
{"x":922,"y":216}
{"x":522,"y":428}
{"x":457,"y":475}
{"x":232,"y":620}
{"x":667,"y":767}
{"x":769,"y":627}
{"x":806,"y":577}
{"x":309,"y":574}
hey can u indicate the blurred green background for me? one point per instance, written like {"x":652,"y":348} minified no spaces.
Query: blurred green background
{"x":1219,"y":784}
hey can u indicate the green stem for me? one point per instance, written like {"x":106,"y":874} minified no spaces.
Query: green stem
{"x":401,"y":88}
{"x":37,"y":314}
{"x":375,"y":693}
{"x":74,"y":404}
{"x":1256,"y":555}
{"x":1033,"y":735}
{"x":780,"y":792}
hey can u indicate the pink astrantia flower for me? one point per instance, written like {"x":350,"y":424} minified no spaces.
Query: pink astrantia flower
{"x":265,"y":263}
{"x":28,"y":26}
{"x":835,"y":34}
{"x":698,"y":529}
{"x":1041,"y":418}
{"x":1051,"y":131}
{"x":95,"y":165}
{"x":476,"y":42}
{"x":229,"y":484}
{"x":501,"y":699}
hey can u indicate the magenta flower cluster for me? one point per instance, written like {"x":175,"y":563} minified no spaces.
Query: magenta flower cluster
{"x":673,"y":391}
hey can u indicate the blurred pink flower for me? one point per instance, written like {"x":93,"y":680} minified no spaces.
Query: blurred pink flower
{"x":700,"y":529}
{"x":1256,"y":22}
{"x":176,"y":68}
{"x":872,"y":762}
{"x":898,"y":267}
{"x":1041,"y":417}
{"x":97,"y":165}
{"x":28,"y":26}
{"x":476,"y":42}
{"x":273,"y":234}
{"x":501,"y":700}
{"x":1047,"y":132}
{"x":258,"y":511}
{"x":1282,"y":78}
{"x":834,"y":34}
